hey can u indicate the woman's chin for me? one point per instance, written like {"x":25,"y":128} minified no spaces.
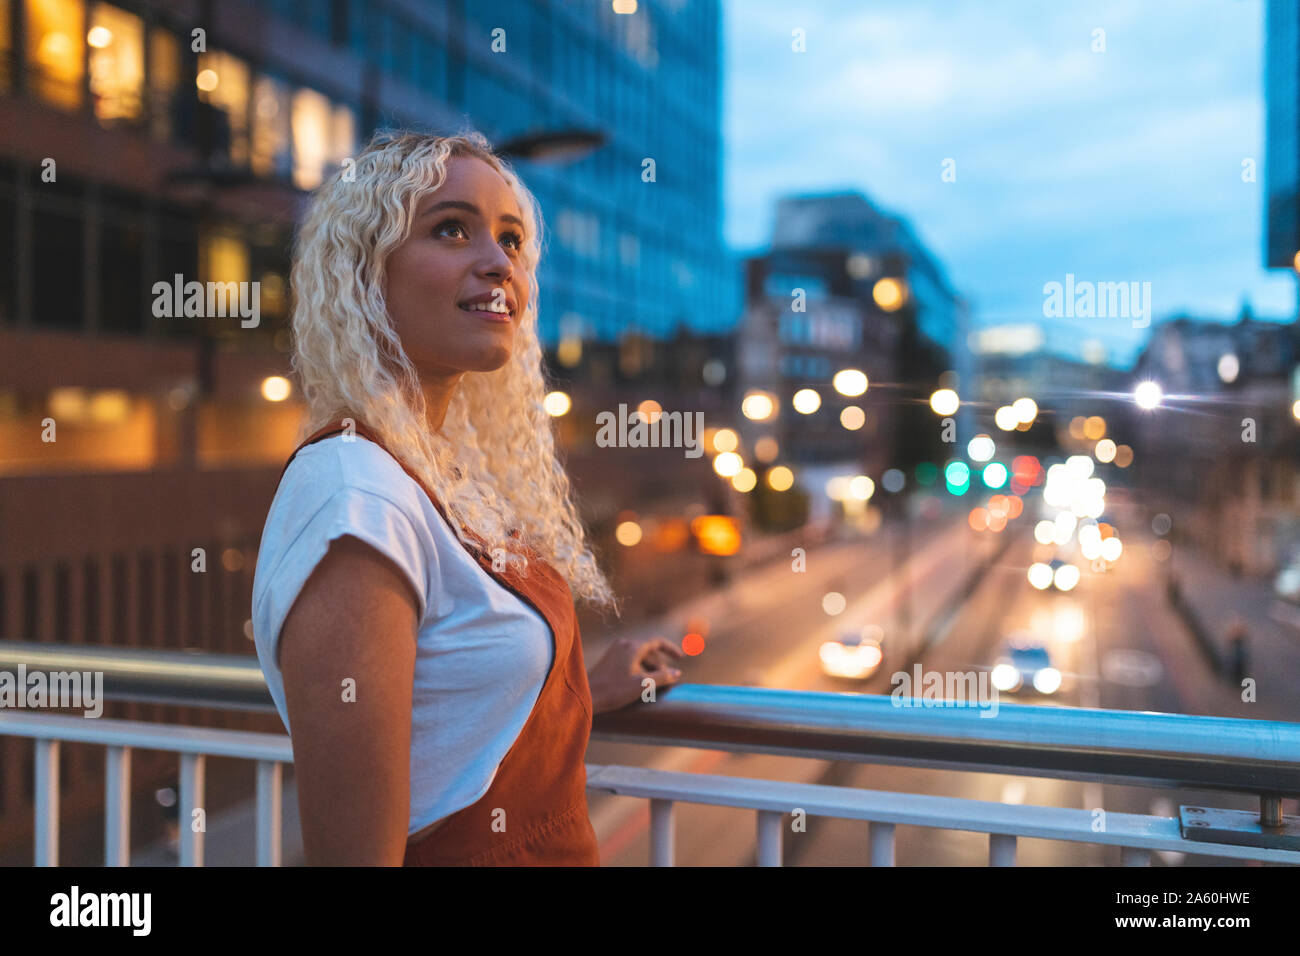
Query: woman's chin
{"x":484,"y":360}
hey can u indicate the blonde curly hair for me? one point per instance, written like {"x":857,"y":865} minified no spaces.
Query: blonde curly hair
{"x":492,"y":464}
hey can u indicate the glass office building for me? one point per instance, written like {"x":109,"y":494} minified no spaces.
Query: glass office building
{"x":275,"y":94}
{"x":1282,"y":133}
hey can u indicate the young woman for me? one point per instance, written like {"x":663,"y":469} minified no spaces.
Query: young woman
{"x":413,"y":599}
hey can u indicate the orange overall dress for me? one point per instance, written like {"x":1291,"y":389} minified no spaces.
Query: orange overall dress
{"x":535,"y":811}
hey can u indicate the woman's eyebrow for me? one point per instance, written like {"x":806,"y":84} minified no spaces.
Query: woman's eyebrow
{"x":468,"y":207}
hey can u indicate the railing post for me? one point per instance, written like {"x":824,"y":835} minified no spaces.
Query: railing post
{"x":268,"y":813}
{"x":769,"y":837}
{"x":661,"y":832}
{"x":47,"y":802}
{"x":880,"y":843}
{"x":1002,"y":849}
{"x":117,"y":806}
{"x":191,"y":841}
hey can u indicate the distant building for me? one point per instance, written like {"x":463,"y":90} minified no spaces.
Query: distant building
{"x":1013,"y":362}
{"x":1222,"y":450}
{"x":844,"y":285}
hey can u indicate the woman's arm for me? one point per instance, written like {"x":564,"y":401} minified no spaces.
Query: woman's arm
{"x":356,"y":617}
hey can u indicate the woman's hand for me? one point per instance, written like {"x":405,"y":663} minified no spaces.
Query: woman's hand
{"x":616,"y":679}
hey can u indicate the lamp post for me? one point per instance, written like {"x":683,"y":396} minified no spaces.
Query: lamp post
{"x":552,"y":146}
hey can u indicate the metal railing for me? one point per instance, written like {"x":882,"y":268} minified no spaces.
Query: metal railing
{"x":1261,"y":758}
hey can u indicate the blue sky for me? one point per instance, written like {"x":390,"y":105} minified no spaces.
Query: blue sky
{"x":1124,"y":165}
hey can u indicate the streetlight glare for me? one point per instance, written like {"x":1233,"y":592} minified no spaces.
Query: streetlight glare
{"x":1148,"y":395}
{"x":945,"y":402}
{"x":806,"y":401}
{"x":850,"y":382}
{"x":889,"y":294}
{"x":1006,"y":418}
{"x":758,"y":406}
{"x":1026,"y":410}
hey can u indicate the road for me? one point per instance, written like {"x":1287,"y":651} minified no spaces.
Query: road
{"x":1113,"y":637}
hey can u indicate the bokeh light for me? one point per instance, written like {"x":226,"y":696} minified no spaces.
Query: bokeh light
{"x":1005,"y":418}
{"x":853,"y":418}
{"x":780,"y":478}
{"x":981,"y":448}
{"x":850,"y":382}
{"x":806,"y":401}
{"x":945,"y":402}
{"x":728,"y":464}
{"x":557,"y":404}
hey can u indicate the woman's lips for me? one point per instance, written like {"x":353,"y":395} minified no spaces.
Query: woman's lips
{"x":488,"y":314}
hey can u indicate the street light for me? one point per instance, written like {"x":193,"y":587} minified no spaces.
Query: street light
{"x":945,"y":402}
{"x":1148,"y":395}
{"x":553,"y":146}
{"x":850,"y":382}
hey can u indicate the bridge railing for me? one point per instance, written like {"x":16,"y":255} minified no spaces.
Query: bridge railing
{"x":1167,"y":751}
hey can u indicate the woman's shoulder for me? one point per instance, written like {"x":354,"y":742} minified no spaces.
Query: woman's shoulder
{"x":339,"y":464}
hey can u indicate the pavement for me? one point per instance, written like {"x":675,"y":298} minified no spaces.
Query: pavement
{"x":1219,"y":599}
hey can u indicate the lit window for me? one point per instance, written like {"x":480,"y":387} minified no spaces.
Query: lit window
{"x":222,"y":83}
{"x":225,"y":258}
{"x":6,"y":45}
{"x":343,"y":135}
{"x":311,"y":138}
{"x":54,"y":51}
{"x":116,"y":41}
{"x":164,"y":82}
{"x":271,"y":131}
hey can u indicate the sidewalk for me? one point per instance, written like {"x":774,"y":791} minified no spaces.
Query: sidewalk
{"x":1273,"y":644}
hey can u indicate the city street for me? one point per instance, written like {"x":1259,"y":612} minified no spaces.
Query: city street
{"x":1114,"y":638}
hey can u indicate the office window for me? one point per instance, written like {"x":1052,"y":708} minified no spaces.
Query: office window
{"x":8,"y":256}
{"x":358,"y":27}
{"x":177,"y":252}
{"x":343,"y":135}
{"x":116,"y":40}
{"x":271,"y":154}
{"x":55,"y":32}
{"x":223,"y":86}
{"x":164,"y":84}
{"x":312,"y":122}
{"x":57,"y":259}
{"x":122,"y":284}
{"x":6,"y":49}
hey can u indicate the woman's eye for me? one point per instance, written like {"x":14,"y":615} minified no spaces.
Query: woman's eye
{"x":458,"y":226}
{"x":449,"y":224}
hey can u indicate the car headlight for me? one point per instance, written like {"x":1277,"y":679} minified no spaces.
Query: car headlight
{"x":1005,"y":677}
{"x":1047,"y":680}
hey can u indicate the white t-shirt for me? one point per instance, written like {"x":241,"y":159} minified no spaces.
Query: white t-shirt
{"x":482,"y":654}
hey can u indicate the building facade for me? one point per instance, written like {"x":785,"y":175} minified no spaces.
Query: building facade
{"x":845,"y":285}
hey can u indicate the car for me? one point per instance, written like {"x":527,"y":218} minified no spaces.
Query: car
{"x":855,"y":655}
{"x":1287,"y":583}
{"x":1059,"y":574}
{"x":1023,"y":666}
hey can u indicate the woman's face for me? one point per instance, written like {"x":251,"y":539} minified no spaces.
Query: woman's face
{"x":464,"y":254}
